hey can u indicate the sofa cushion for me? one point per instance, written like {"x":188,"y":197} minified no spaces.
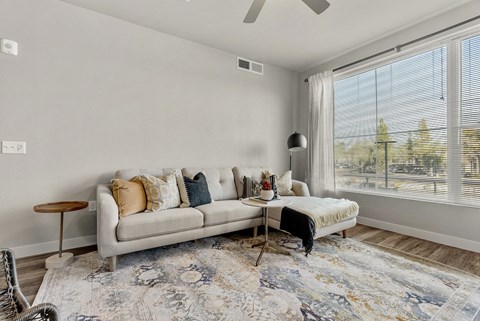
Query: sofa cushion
{"x":275,"y":213}
{"x":129,"y":196}
{"x":220,"y":182}
{"x":228,"y":211}
{"x":144,"y":225}
{"x":252,"y":172}
{"x":157,"y":172}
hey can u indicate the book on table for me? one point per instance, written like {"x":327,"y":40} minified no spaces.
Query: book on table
{"x":270,"y":202}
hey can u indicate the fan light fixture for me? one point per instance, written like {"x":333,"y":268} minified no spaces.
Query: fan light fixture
{"x":318,"y":6}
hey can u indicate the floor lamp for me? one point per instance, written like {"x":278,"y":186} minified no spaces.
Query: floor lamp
{"x":296,"y":142}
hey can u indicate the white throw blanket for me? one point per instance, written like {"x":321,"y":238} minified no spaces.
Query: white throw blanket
{"x":325,"y":211}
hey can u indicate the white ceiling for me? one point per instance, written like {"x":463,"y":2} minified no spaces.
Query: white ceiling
{"x":287,"y":33}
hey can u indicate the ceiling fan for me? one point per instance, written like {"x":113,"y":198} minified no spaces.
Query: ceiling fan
{"x":318,"y":6}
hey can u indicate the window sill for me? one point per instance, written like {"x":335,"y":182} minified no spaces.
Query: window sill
{"x":407,"y":198}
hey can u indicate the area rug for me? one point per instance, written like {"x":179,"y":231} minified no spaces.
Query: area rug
{"x":216,"y":279}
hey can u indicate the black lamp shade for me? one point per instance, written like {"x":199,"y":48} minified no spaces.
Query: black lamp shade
{"x":296,"y":142}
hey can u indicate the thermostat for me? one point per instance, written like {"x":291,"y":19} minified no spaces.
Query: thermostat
{"x":9,"y":47}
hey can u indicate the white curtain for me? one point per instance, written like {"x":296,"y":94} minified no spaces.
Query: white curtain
{"x":320,"y":154}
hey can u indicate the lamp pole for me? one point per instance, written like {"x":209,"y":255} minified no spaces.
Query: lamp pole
{"x":385,"y":144}
{"x":290,"y":160}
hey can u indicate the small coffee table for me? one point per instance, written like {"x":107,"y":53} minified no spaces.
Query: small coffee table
{"x":266,"y":244}
{"x":60,"y":259}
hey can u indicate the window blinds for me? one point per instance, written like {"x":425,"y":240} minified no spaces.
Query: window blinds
{"x":469,"y":131}
{"x":397,"y":131}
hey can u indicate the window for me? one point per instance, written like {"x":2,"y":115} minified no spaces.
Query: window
{"x":409,"y":128}
{"x":470,"y":119}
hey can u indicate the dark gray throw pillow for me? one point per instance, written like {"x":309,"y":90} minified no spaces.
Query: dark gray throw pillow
{"x":197,"y":190}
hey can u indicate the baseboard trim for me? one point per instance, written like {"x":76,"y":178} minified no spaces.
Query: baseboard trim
{"x":48,"y":247}
{"x":422,"y":234}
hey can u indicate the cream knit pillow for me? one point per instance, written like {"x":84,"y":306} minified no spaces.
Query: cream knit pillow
{"x":162,"y":193}
{"x":283,"y":183}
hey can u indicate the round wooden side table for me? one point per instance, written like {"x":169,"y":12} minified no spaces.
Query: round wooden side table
{"x":60,"y":259}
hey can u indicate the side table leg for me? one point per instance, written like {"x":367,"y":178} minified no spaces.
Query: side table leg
{"x":61,"y":259}
{"x":266,"y":224}
{"x":265,"y":245}
{"x":61,"y":236}
{"x":261,"y":253}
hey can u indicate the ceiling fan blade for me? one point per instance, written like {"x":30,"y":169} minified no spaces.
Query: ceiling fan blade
{"x":255,"y":9}
{"x":318,"y":6}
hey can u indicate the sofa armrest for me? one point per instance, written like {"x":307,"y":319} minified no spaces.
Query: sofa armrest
{"x":107,"y":221}
{"x":300,"y":188}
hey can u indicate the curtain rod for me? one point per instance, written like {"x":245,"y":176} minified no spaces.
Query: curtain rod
{"x":399,"y":47}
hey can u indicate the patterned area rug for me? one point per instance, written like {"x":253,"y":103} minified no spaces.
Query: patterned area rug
{"x":216,"y":279}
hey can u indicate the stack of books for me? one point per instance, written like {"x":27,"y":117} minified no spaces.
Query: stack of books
{"x":270,"y":202}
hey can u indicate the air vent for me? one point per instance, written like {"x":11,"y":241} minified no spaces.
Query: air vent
{"x":249,"y":65}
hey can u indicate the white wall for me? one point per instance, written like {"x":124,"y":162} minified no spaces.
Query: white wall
{"x":455,"y":225}
{"x":91,"y":94}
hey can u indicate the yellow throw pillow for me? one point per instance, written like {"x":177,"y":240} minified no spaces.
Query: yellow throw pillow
{"x":129,"y":195}
{"x":283,"y":183}
{"x":162,"y":193}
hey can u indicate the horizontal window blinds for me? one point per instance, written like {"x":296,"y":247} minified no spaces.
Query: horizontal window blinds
{"x":470,"y":121}
{"x":397,"y":131}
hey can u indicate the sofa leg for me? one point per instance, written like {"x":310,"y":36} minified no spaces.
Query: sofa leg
{"x":344,"y":234}
{"x":255,"y":231}
{"x":112,"y":263}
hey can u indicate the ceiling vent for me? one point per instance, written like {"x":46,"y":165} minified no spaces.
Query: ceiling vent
{"x":249,"y":65}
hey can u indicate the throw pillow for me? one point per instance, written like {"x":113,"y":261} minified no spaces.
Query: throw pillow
{"x":283,"y":183}
{"x":251,"y":188}
{"x":129,"y":195}
{"x":194,"y":191}
{"x":162,"y":193}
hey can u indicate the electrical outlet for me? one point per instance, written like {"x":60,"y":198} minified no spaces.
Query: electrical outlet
{"x":14,"y":147}
{"x":92,"y":206}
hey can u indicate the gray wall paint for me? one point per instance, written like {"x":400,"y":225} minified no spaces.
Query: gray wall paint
{"x":457,"y":221}
{"x":91,"y":94}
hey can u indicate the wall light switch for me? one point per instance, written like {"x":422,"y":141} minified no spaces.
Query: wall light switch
{"x":9,"y":47}
{"x":14,"y":147}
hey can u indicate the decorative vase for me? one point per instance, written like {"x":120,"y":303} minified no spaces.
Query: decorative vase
{"x":266,"y":195}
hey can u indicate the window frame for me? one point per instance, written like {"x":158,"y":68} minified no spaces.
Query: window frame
{"x":453,"y":44}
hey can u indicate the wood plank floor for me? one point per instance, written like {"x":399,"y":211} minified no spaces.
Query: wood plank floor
{"x":464,"y":260}
{"x":31,"y":270}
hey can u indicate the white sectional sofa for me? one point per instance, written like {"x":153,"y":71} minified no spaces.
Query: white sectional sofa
{"x":117,"y":236}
